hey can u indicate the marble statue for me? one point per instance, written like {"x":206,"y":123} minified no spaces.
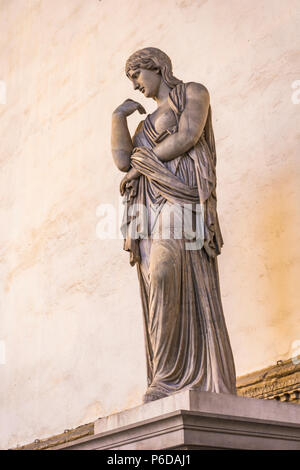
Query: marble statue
{"x":170,"y":164}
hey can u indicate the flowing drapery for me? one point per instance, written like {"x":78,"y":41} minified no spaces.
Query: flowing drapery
{"x":187,"y":343}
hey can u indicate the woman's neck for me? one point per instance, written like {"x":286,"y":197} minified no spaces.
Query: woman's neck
{"x":163,"y":93}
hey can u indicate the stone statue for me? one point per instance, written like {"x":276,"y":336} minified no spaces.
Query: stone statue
{"x":170,"y":164}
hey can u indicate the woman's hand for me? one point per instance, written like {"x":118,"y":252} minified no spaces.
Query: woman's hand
{"x":130,"y":182}
{"x":123,"y":185}
{"x":129,"y":107}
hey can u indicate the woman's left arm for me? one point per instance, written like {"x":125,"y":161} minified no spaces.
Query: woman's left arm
{"x":191,"y":124}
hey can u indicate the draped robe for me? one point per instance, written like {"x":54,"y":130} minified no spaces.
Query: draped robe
{"x":187,"y":343}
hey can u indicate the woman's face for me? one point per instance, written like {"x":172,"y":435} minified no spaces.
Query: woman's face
{"x":147,"y":81}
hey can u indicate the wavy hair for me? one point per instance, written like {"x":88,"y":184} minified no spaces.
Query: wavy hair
{"x":153,"y":58}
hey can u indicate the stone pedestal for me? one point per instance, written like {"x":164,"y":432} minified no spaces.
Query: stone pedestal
{"x":198,"y":420}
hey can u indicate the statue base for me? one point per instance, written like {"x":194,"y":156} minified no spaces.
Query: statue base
{"x":198,"y":420}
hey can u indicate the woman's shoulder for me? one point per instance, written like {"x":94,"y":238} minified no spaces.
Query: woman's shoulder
{"x":194,"y":88}
{"x":187,"y":92}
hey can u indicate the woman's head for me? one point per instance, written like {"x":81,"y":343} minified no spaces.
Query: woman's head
{"x":151,"y":58}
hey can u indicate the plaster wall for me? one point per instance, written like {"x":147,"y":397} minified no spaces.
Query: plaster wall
{"x":70,"y":314}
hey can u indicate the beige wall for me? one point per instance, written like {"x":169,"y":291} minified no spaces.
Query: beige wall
{"x":70,"y":309}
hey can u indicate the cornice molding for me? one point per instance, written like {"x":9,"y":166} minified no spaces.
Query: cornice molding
{"x":68,"y":435}
{"x":279,"y":382}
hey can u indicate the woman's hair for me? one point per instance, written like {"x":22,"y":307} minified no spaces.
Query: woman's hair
{"x":152,"y":58}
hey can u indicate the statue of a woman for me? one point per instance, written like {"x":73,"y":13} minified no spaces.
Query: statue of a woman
{"x":170,"y":163}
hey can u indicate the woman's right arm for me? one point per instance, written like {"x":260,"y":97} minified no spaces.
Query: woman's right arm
{"x":121,"y":142}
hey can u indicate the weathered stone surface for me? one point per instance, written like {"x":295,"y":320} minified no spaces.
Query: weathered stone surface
{"x":198,"y":420}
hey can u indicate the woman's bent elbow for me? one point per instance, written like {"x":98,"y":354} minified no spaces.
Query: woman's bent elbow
{"x":124,"y":168}
{"x":122,"y":160}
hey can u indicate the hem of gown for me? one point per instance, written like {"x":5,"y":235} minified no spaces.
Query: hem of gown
{"x":154,"y":393}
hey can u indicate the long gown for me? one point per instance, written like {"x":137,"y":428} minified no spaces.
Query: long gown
{"x":187,"y":343}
